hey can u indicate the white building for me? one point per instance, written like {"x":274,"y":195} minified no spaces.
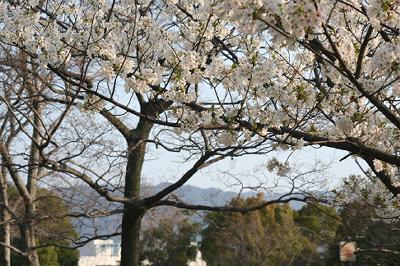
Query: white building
{"x":106,"y":253}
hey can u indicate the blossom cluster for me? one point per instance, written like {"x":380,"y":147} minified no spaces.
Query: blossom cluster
{"x":238,"y":65}
{"x":295,"y":18}
{"x":385,"y":11}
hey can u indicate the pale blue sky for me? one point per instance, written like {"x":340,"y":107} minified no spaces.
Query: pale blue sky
{"x":167,"y":167}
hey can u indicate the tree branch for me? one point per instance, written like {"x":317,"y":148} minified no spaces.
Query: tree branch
{"x":153,"y":199}
{"x":183,"y":205}
{"x":117,"y":123}
{"x":13,"y":172}
{"x":385,"y":179}
{"x":16,"y":250}
{"x":62,"y":168}
{"x":349,"y":144}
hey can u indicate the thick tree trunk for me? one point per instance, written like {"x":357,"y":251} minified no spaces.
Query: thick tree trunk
{"x":5,"y":252}
{"x":132,"y":217}
{"x":130,"y":244}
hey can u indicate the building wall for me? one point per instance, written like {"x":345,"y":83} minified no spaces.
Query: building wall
{"x":106,"y":253}
{"x":99,"y":261}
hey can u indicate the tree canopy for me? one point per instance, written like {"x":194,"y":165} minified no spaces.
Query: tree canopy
{"x":90,"y":86}
{"x":265,"y":237}
{"x":171,"y":243}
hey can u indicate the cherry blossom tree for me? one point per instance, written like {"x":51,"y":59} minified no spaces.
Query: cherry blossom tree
{"x":210,"y":80}
{"x":350,"y":75}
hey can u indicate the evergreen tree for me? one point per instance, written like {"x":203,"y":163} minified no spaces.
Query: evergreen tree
{"x":265,"y":237}
{"x":170,"y":243}
{"x":318,"y":223}
{"x":377,"y":239}
{"x":54,"y":232}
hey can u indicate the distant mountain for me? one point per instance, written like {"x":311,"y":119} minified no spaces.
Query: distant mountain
{"x":213,"y":196}
{"x":202,"y":196}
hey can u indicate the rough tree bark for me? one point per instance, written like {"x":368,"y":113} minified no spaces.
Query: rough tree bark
{"x":133,"y":213}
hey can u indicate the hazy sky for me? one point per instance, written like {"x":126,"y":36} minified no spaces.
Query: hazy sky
{"x":165,"y":167}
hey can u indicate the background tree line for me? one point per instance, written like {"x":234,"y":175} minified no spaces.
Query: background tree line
{"x":277,"y":235}
{"x":274,"y":235}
